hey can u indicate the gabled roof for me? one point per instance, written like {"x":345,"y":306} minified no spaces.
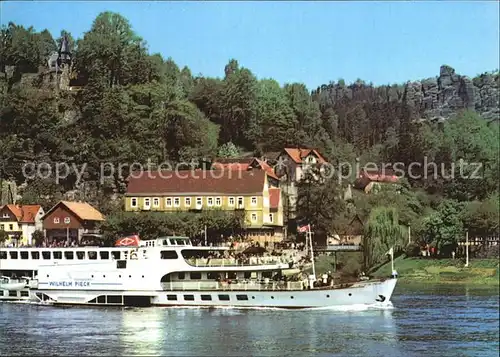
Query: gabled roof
{"x":274,"y":197}
{"x":244,"y":164}
{"x":232,"y":163}
{"x":372,"y":175}
{"x":196,"y":182}
{"x":385,"y":175}
{"x":266,"y":167}
{"x":23,"y":213}
{"x":299,"y":154}
{"x":82,"y":210}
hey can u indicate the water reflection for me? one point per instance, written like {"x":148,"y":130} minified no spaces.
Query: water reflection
{"x":141,"y":332}
{"x":423,"y":322}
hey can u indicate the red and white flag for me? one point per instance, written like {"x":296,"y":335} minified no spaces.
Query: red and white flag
{"x":130,"y":241}
{"x":304,"y":228}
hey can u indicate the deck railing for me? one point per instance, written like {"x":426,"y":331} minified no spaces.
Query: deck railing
{"x":228,"y":262}
{"x":240,"y":286}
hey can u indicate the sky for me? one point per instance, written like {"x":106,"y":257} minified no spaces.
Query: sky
{"x":308,"y":42}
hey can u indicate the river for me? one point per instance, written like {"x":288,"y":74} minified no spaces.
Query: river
{"x":446,"y":320}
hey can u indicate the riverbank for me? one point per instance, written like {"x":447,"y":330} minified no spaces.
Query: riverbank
{"x":445,"y":271}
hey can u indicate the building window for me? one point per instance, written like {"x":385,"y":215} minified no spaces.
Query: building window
{"x":231,"y":201}
{"x":2,"y":227}
{"x":240,"y":202}
{"x":67,"y":220}
{"x":199,"y":202}
{"x":133,"y":202}
{"x":254,"y":217}
{"x":156,"y":202}
{"x":147,"y":203}
{"x":187,"y":201}
{"x":56,"y":220}
{"x":218,"y":201}
{"x":5,"y":215}
{"x":254,"y":201}
{"x":177,"y":202}
{"x":271,"y":217}
{"x":210,"y":201}
{"x":11,"y":227}
{"x":168,"y":202}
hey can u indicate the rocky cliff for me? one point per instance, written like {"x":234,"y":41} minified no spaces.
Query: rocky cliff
{"x":448,"y":93}
{"x":433,"y":98}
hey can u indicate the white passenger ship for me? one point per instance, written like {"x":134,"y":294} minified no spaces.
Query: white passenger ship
{"x":170,"y":271}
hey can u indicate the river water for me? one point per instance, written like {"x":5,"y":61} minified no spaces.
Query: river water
{"x":423,"y":321}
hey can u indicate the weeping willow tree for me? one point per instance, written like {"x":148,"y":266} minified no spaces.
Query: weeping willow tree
{"x":382,"y":232}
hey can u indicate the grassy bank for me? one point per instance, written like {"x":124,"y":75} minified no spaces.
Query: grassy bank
{"x":480,"y":271}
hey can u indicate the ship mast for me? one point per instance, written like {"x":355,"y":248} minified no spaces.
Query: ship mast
{"x":309,"y":233}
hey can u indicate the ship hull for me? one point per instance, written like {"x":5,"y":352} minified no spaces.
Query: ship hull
{"x":365,"y":293}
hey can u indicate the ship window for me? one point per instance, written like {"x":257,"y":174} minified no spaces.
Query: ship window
{"x":24,"y":255}
{"x":35,"y":255}
{"x":224,"y":297}
{"x":172,"y":242}
{"x":101,"y":299}
{"x":114,"y":299}
{"x":57,"y":255}
{"x":212,"y":276}
{"x":80,"y":255}
{"x":189,"y":297}
{"x":231,"y":275}
{"x":121,"y":264}
{"x":171,"y":297}
{"x":180,"y":241}
{"x":46,"y":255}
{"x":181,"y":276}
{"x":267,"y":274}
{"x":3,"y":255}
{"x":241,"y":297}
{"x":13,"y":293}
{"x":68,"y":255}
{"x":206,"y":297}
{"x":92,"y":255}
{"x":195,"y":276}
{"x":248,"y":275}
{"x":116,"y":255}
{"x":104,"y":255}
{"x":93,"y":301}
{"x":169,"y":254}
{"x":25,"y":293}
{"x":13,"y":255}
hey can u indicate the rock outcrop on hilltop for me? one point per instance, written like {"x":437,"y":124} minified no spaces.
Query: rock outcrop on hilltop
{"x":435,"y":98}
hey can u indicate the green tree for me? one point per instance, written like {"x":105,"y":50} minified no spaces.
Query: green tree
{"x":276,"y":124}
{"x":383,"y":232}
{"x":37,"y":238}
{"x":237,"y":105}
{"x":186,"y":133}
{"x":444,"y":227}
{"x":481,"y":217}
{"x":3,"y":236}
{"x":228,"y":150}
{"x":320,"y":201}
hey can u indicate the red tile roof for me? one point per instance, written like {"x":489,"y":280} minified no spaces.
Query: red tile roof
{"x":267,"y":168}
{"x":24,"y":213}
{"x":230,"y":166}
{"x":238,"y":160}
{"x":82,"y":210}
{"x":298,"y":154}
{"x":274,"y":197}
{"x":243,"y":164}
{"x":197,"y":181}
{"x":385,"y":175}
